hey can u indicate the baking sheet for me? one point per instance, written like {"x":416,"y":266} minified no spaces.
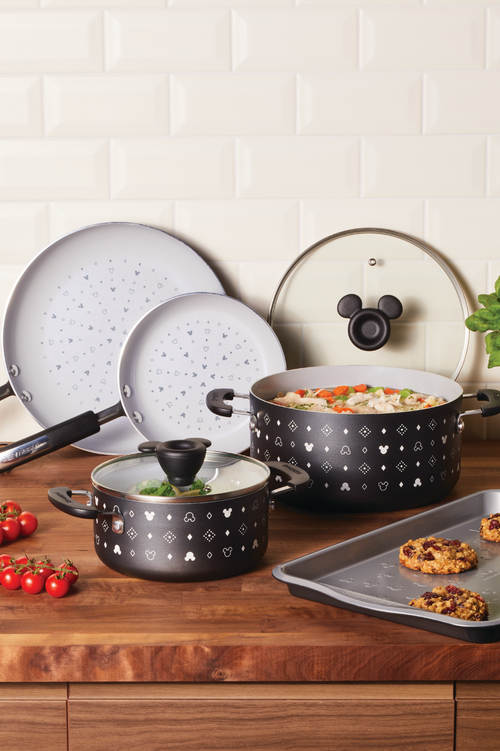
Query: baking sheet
{"x":363,"y":574}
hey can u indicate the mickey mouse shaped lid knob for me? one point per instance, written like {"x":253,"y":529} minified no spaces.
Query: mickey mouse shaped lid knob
{"x":369,"y":328}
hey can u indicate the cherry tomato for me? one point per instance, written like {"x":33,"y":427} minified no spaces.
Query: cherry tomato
{"x":70,"y":571}
{"x":20,"y":564}
{"x":57,"y":587}
{"x":32,"y":583}
{"x":11,"y":528}
{"x":10,"y":579}
{"x":44,"y":567}
{"x":10,"y":507}
{"x":1,"y":535}
{"x":28,"y":522}
{"x":5,"y":560}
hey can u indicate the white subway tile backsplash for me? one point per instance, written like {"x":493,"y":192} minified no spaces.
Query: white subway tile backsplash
{"x":166,"y":41}
{"x":322,"y":218}
{"x":433,"y":166}
{"x":493,"y":44}
{"x":106,"y":106}
{"x":423,"y":38}
{"x":358,"y":103}
{"x":25,"y":230}
{"x":292,"y":167}
{"x":465,"y":228}
{"x":240,"y":230}
{"x":20,"y":106}
{"x":66,"y":216}
{"x":447,"y":93}
{"x":233,"y":103}
{"x":295,"y":39}
{"x":252,"y":129}
{"x":39,"y":170}
{"x":494,"y":166}
{"x":52,"y":42}
{"x":172,"y":168}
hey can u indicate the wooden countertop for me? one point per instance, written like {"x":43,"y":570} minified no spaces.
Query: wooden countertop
{"x":246,"y":628}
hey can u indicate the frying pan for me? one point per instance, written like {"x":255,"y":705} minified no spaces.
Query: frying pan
{"x":167,"y":364}
{"x":71,"y":309}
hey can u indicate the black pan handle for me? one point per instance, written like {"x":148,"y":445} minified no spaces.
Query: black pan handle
{"x":298,"y":479}
{"x":51,"y":439}
{"x":6,"y":390}
{"x":62,"y":499}
{"x":215,"y":401}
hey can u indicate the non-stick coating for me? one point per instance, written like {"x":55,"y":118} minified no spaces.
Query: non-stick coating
{"x":71,"y":310}
{"x":177,"y":352}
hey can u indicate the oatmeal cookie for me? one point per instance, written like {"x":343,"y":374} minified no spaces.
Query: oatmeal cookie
{"x":436,"y":555}
{"x":490,"y":528}
{"x":454,"y":601}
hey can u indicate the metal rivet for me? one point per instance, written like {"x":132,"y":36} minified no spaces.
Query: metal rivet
{"x":372,"y":262}
{"x":137,"y":416}
{"x":26,"y":396}
{"x":14,"y":370}
{"x":127,"y":391}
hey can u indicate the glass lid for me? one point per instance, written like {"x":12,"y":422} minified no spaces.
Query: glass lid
{"x":140,"y":477}
{"x":371,"y":297}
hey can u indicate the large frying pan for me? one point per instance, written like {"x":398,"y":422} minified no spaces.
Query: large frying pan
{"x":167,"y":364}
{"x":71,"y":310}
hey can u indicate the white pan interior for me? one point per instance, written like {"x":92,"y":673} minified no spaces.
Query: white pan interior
{"x":72,"y":309}
{"x":183,"y":349}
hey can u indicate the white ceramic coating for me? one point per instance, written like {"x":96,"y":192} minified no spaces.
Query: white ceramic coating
{"x":183,"y":349}
{"x":72,"y":309}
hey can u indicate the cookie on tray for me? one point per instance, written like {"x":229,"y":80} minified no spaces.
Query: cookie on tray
{"x":490,"y":528}
{"x":436,"y":555}
{"x":454,"y":601}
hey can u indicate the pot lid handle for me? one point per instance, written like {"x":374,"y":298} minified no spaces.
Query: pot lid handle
{"x":181,"y":460}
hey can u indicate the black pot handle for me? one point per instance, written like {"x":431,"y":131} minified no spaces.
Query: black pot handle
{"x":492,"y":396}
{"x":298,"y":479}
{"x":215,"y":401}
{"x":62,"y":499}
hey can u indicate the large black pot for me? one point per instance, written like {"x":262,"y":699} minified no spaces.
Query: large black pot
{"x":186,"y":537}
{"x":360,"y":462}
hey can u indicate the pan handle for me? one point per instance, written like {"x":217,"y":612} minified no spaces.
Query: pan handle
{"x":6,"y":390}
{"x":62,"y":499}
{"x":216,"y":402}
{"x":492,"y":396}
{"x":298,"y":479}
{"x":51,"y":439}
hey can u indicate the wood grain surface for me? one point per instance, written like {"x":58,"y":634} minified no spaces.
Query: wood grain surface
{"x":248,"y":628}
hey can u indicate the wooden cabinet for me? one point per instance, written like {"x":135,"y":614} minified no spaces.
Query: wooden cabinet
{"x":33,"y":711}
{"x":478,"y":716}
{"x":243,"y":717}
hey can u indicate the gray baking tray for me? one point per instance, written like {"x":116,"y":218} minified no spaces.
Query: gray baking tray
{"x":364,"y":574}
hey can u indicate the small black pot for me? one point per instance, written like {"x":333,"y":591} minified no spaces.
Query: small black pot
{"x":361,"y":462}
{"x":186,"y":537}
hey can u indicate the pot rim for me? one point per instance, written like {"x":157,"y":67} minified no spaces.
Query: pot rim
{"x":188,"y":500}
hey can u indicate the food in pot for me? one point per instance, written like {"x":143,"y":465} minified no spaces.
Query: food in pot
{"x":489,"y":528}
{"x":454,"y":601}
{"x":360,"y":398}
{"x":436,"y":555}
{"x":167,"y":490}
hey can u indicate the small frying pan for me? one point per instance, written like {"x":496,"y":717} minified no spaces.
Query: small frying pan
{"x":71,"y":310}
{"x":168,"y":363}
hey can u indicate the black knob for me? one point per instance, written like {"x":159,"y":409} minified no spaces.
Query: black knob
{"x":369,"y":328}
{"x":181,"y":460}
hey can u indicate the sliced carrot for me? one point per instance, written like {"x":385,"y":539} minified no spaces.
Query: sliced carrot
{"x":361,"y":387}
{"x":340,"y":390}
{"x":324,"y":394}
{"x":301,"y":392}
{"x":391,"y":391}
{"x":347,"y":409}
